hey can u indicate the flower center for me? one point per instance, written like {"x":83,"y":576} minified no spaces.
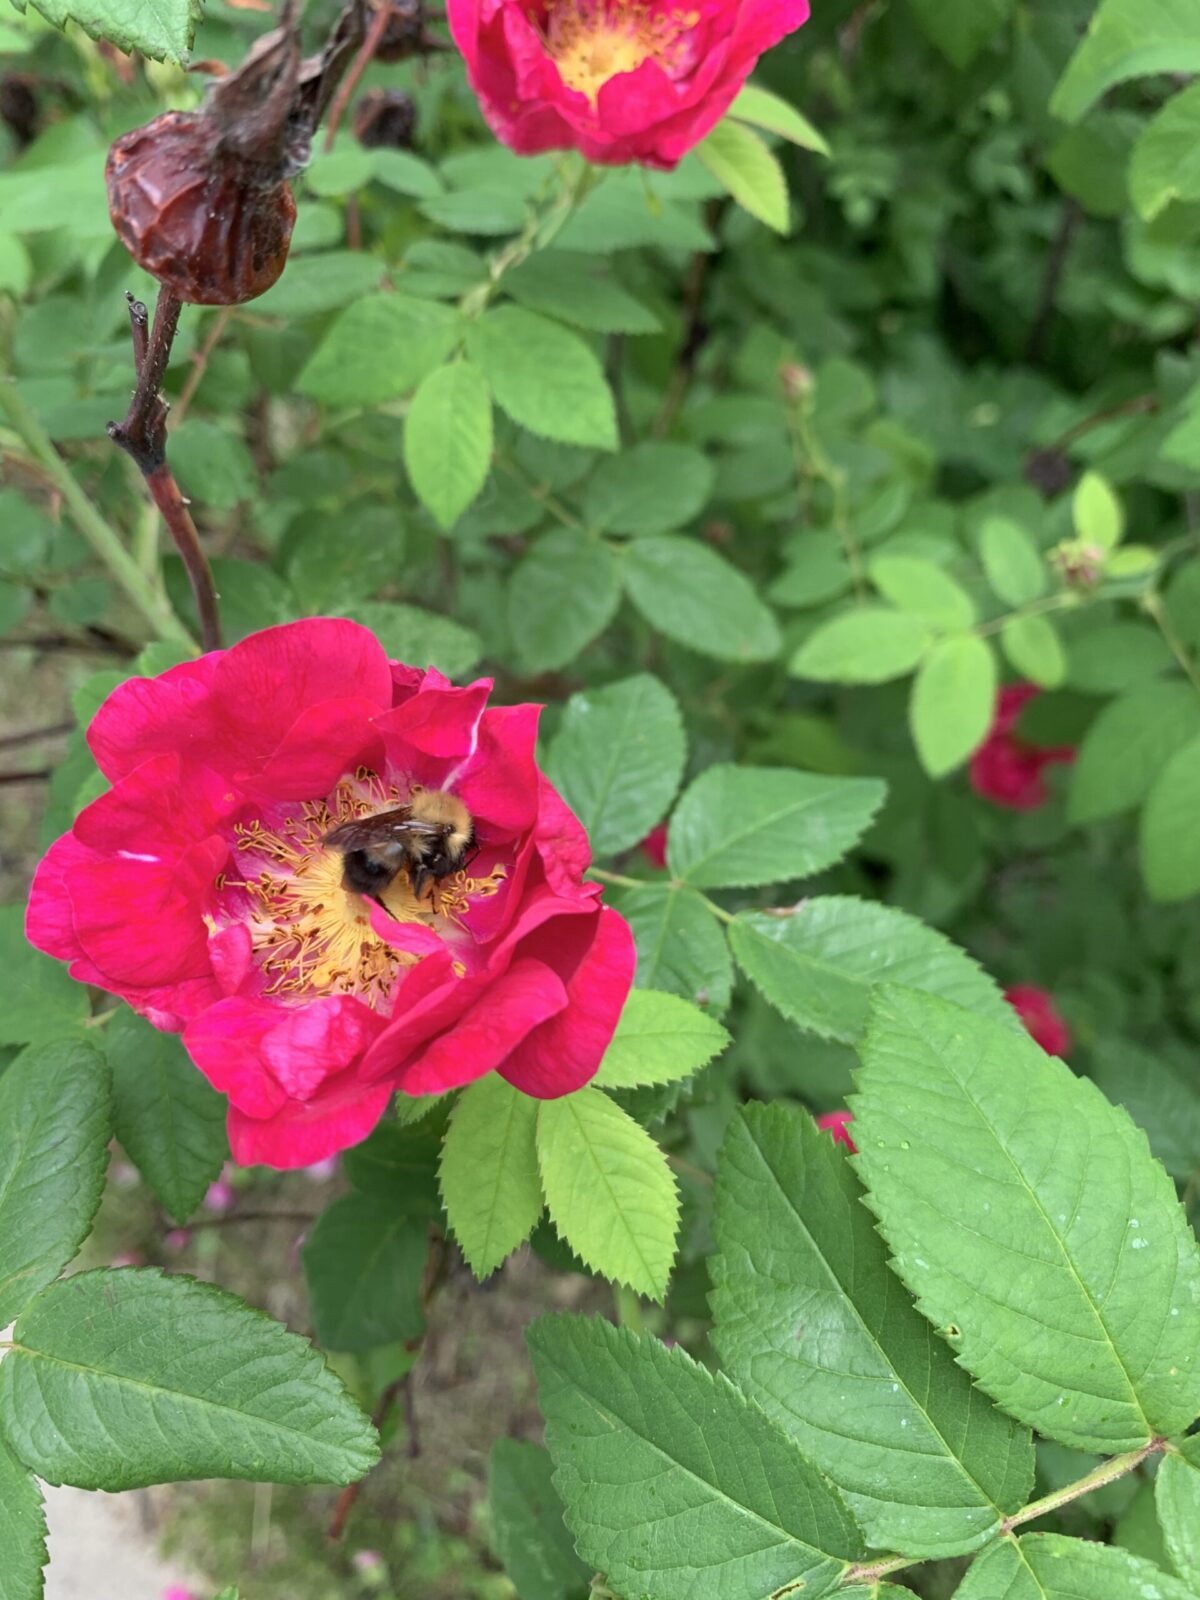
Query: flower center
{"x":594,"y":40}
{"x":310,"y":934}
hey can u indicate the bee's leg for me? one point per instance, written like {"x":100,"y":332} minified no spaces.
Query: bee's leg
{"x":419,"y":878}
{"x":383,"y":905}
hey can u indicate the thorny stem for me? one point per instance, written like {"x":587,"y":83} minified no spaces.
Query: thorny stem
{"x":379,"y":22}
{"x":104,"y":540}
{"x":143,"y":437}
{"x":539,"y":233}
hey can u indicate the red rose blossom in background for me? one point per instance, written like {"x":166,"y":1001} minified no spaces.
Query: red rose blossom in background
{"x":838,"y":1123}
{"x":1038,"y":1012}
{"x":1007,"y":768}
{"x":198,"y":889}
{"x":619,"y":80}
{"x":654,"y":846}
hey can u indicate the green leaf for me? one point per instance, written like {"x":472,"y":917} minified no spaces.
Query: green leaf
{"x":925,"y":590}
{"x":659,"y":1039}
{"x":1127,"y":747}
{"x":1013,"y":563}
{"x":740,"y":160}
{"x":762,"y":109}
{"x":398,"y":1165}
{"x":123,"y":1379}
{"x":56,"y":1118}
{"x":813,"y":1325}
{"x":817,"y":571}
{"x":1177,"y":1498}
{"x":609,"y":1190}
{"x":953,"y":701}
{"x":483,"y":211}
{"x":652,"y":488}
{"x":22,"y":1531}
{"x":489,"y":1172}
{"x":448,"y":440}
{"x":736,"y":827}
{"x":1170,"y":838}
{"x":166,"y":1114}
{"x":379,"y":348}
{"x":817,"y":962}
{"x":545,"y":377}
{"x":420,"y":637}
{"x":680,"y":945}
{"x":867,"y":645}
{"x":551,"y":281}
{"x":1064,"y":1274}
{"x":363,"y":1264}
{"x":962,"y":32}
{"x":1035,"y":650}
{"x":1099,"y":519}
{"x":531,"y":1538}
{"x":1159,"y":1099}
{"x":1045,"y":1566}
{"x":163,"y":29}
{"x":41,"y":999}
{"x":692,"y":595}
{"x":327,"y":281}
{"x":618,"y":758}
{"x":1165,"y":165}
{"x":675,"y":1484}
{"x":560,"y":596}
{"x":1128,"y":39}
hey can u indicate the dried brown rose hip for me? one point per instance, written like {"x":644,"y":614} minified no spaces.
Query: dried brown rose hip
{"x":193,"y":216}
{"x":385,"y":119}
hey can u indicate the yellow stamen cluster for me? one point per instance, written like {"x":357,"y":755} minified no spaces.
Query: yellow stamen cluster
{"x":592,"y":41}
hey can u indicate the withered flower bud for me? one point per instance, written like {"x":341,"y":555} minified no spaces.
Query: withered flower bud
{"x":404,"y":35}
{"x":385,"y":119}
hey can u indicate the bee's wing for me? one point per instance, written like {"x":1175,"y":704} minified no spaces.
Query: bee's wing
{"x":363,"y":833}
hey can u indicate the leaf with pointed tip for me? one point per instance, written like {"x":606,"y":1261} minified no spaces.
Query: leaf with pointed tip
{"x":1128,"y":39}
{"x":1177,"y":1498}
{"x":1064,"y":1274}
{"x":532,"y":1541}
{"x":125,"y":1378}
{"x":681,"y":948}
{"x":22,"y":1531}
{"x":813,"y":1325}
{"x":659,"y":1039}
{"x":163,"y":29}
{"x":675,"y":1484}
{"x":363,"y":1264}
{"x":489,"y":1172}
{"x":1046,"y":1566}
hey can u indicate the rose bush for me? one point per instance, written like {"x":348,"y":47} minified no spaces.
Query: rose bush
{"x":622,"y":81}
{"x":198,"y":889}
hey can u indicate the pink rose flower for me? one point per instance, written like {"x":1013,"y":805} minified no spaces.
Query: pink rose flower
{"x":199,"y":890}
{"x":838,"y":1123}
{"x":1006,"y":768}
{"x":1038,"y":1012}
{"x":619,"y":80}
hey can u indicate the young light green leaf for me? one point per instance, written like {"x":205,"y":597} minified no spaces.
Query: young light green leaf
{"x":380,"y":347}
{"x":867,"y":645}
{"x":814,"y":1326}
{"x":1170,"y":838}
{"x":651,"y":488}
{"x":1128,"y":39}
{"x":56,"y":1117}
{"x":168,"y":1117}
{"x":952,"y":703}
{"x":123,"y":1379}
{"x":609,"y":1190}
{"x":1177,"y":1497}
{"x":363,"y":1264}
{"x":22,"y":1530}
{"x":688,"y":592}
{"x":817,"y":963}
{"x":532,"y":1541}
{"x":680,"y":945}
{"x":448,"y":440}
{"x":1013,"y":563}
{"x":162,"y":29}
{"x":740,"y":160}
{"x":489,"y":1172}
{"x":1034,"y":649}
{"x":552,"y":282}
{"x":1064,"y":1275}
{"x":762,"y":109}
{"x":1165,"y":165}
{"x":674,"y":1483}
{"x":1127,"y":747}
{"x":925,"y":590}
{"x":659,"y":1039}
{"x":617,"y":759}
{"x":736,"y":827}
{"x":1163,"y":1102}
{"x":41,"y":999}
{"x":1099,"y":519}
{"x":560,"y":596}
{"x":545,"y":377}
{"x":1046,"y":1566}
